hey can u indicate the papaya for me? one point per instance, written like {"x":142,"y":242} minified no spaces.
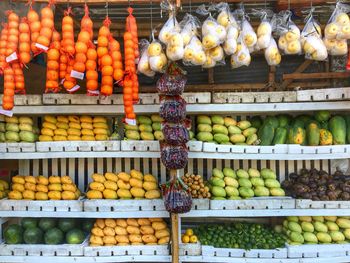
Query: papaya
{"x":337,"y":127}
{"x":304,"y":118}
{"x":256,"y":122}
{"x":322,"y":116}
{"x":296,"y":135}
{"x":266,"y":134}
{"x":272,"y":120}
{"x":324,"y":125}
{"x":298,"y":123}
{"x":313,"y":134}
{"x":347,"y":121}
{"x":283,"y":120}
{"x":280,"y":136}
{"x":326,"y":137}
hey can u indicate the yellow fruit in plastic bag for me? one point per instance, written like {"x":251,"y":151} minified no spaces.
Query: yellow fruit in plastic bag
{"x":331,"y":30}
{"x":342,"y":19}
{"x":294,"y":47}
{"x":209,"y":41}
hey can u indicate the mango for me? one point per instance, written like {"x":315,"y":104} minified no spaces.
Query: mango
{"x":337,"y":236}
{"x":144,"y":120}
{"x":252,"y":139}
{"x":132,"y":135}
{"x":331,"y":218}
{"x":244,"y":182}
{"x":217,"y":182}
{"x":14,"y":127}
{"x":25,"y":127}
{"x":147,"y":136}
{"x":320,"y":227}
{"x":261,"y":190}
{"x":221,"y":138}
{"x":305,"y":219}
{"x":253,"y":172}
{"x":324,"y":237}
{"x":228,"y":121}
{"x":272,"y":183}
{"x":233,"y":197}
{"x":218,"y":198}
{"x":237,"y":138}
{"x":145,"y":128}
{"x":242,"y":173}
{"x":202,"y":119}
{"x":276,"y":191}
{"x":244,"y":125}
{"x":332,"y":226}
{"x":131,"y":127}
{"x":318,"y":218}
{"x":216,"y":119}
{"x":268,"y":173}
{"x":218,"y":191}
{"x":231,"y":191}
{"x":296,"y":237}
{"x":229,"y":172}
{"x":191,"y":135}
{"x":307,"y":227}
{"x":250,"y":131}
{"x":156,"y":126}
{"x":246,"y":192}
{"x":217,"y":128}
{"x":229,"y":181}
{"x":158,"y":135}
{"x":310,"y":237}
{"x":12,"y":119}
{"x":346,"y":233}
{"x":234,"y":130}
{"x":27,"y":136}
{"x":2,"y":127}
{"x":217,"y":173}
{"x":293,"y":218}
{"x":226,"y":143}
{"x":27,"y":120}
{"x":2,"y":137}
{"x":293,"y":226}
{"x":156,"y":118}
{"x":343,"y":223}
{"x":12,"y":136}
{"x":204,"y":128}
{"x":204,"y":136}
{"x":257,"y":181}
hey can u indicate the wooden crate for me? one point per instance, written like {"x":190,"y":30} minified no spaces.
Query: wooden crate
{"x":105,"y":205}
{"x":23,"y":100}
{"x":254,"y":97}
{"x":106,"y":251}
{"x":318,"y":251}
{"x":324,"y":94}
{"x":17,"y":147}
{"x":190,"y":249}
{"x":141,"y":146}
{"x":309,"y":204}
{"x":255,"y":203}
{"x":242,"y":253}
{"x":78,"y":146}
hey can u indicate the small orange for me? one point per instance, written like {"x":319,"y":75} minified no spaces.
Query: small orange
{"x":102,"y":41}
{"x":79,"y":66}
{"x":91,"y":65}
{"x":81,"y":47}
{"x":118,"y":74}
{"x":92,"y":85}
{"x":107,"y":80}
{"x":101,"y":51}
{"x":91,"y":54}
{"x":104,"y":31}
{"x":106,"y":60}
{"x":53,"y":54}
{"x":107,"y":71}
{"x":91,"y":75}
{"x":80,"y":57}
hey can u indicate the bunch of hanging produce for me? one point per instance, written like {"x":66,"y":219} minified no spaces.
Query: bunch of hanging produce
{"x":317,"y":229}
{"x":43,"y":188}
{"x":240,"y":235}
{"x":147,"y":128}
{"x":123,"y":186}
{"x":318,"y":185}
{"x":235,"y":185}
{"x":18,"y":129}
{"x":49,"y":231}
{"x":131,"y":231}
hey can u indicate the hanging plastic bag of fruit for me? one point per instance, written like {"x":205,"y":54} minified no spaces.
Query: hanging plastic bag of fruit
{"x":176,"y":197}
{"x":311,"y":40}
{"x":213,"y":34}
{"x":157,"y":59}
{"x":173,"y":157}
{"x":172,"y":83}
{"x":289,"y":34}
{"x":264,"y":31}
{"x":247,"y":32}
{"x":189,"y":28}
{"x":144,"y":66}
{"x":194,"y":53}
{"x":225,"y":16}
{"x":176,"y":133}
{"x":242,"y":56}
{"x":172,"y":108}
{"x":171,"y":25}
{"x":175,"y":47}
{"x":272,"y":54}
{"x":338,"y":26}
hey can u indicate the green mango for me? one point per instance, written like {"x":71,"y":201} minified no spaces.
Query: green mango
{"x":202,"y":119}
{"x":147,"y":136}
{"x":228,"y":172}
{"x":214,"y":181}
{"x":256,"y":181}
{"x":261,"y":190}
{"x":324,"y":237}
{"x":234,"y":130}
{"x":320,"y":227}
{"x":144,"y":120}
{"x":276,"y":191}
{"x":272,"y":183}
{"x":218,"y":191}
{"x":268,"y":173}
{"x":145,"y":128}
{"x":221,"y":138}
{"x":318,"y":218}
{"x":307,"y":227}
{"x":218,"y":173}
{"x":252,"y":139}
{"x":131,"y":127}
{"x":337,"y":236}
{"x":205,"y":136}
{"x":310,"y":237}
{"x":244,"y":125}
{"x":216,"y":119}
{"x":293,"y":226}
{"x":231,"y":191}
{"x":332,"y":226}
{"x":156,"y":118}
{"x":156,"y":126}
{"x":296,"y":237}
{"x":229,"y":181}
{"x":158,"y":135}
{"x":228,"y":121}
{"x":249,"y":131}
{"x":253,"y":172}
{"x":204,"y":128}
{"x":221,"y":129}
{"x":242,"y":173}
{"x":244,"y":182}
{"x":246,"y":192}
{"x":237,"y":138}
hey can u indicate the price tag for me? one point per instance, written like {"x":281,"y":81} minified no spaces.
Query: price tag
{"x":62,"y":81}
{"x":75,"y":88}
{"x":11,"y":57}
{"x":41,"y":47}
{"x":8,"y":113}
{"x":94,"y":92}
{"x":76,"y":74}
{"x":130,"y":121}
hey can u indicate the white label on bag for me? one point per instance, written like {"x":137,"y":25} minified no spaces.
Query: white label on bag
{"x":11,"y":57}
{"x":130,"y":121}
{"x":41,"y":47}
{"x":76,"y":74}
{"x":75,"y":88}
{"x":62,"y":81}
{"x":95,"y":92}
{"x":7,"y":113}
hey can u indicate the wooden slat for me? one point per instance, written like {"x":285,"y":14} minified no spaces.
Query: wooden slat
{"x":323,"y":75}
{"x":54,"y":167}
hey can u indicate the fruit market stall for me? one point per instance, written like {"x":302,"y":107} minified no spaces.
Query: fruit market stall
{"x":174,"y":131}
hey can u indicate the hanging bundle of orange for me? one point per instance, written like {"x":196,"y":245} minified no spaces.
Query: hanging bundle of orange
{"x":69,"y":82}
{"x":127,"y":98}
{"x":53,"y":66}
{"x":13,"y":33}
{"x":81,"y":48}
{"x":131,"y":26}
{"x":3,"y":47}
{"x":63,"y":65}
{"x":19,"y":78}
{"x":47,"y":26}
{"x":9,"y":88}
{"x":68,"y":33}
{"x":91,"y":71}
{"x":114,"y":51}
{"x":104,"y":59}
{"x":86,"y":22}
{"x":35,"y":26}
{"x":130,"y":67}
{"x":24,"y":41}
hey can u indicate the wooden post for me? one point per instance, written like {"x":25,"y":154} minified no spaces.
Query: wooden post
{"x":174,"y":229}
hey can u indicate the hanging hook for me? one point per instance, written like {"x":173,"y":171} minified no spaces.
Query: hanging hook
{"x":129,"y":3}
{"x":106,"y":6}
